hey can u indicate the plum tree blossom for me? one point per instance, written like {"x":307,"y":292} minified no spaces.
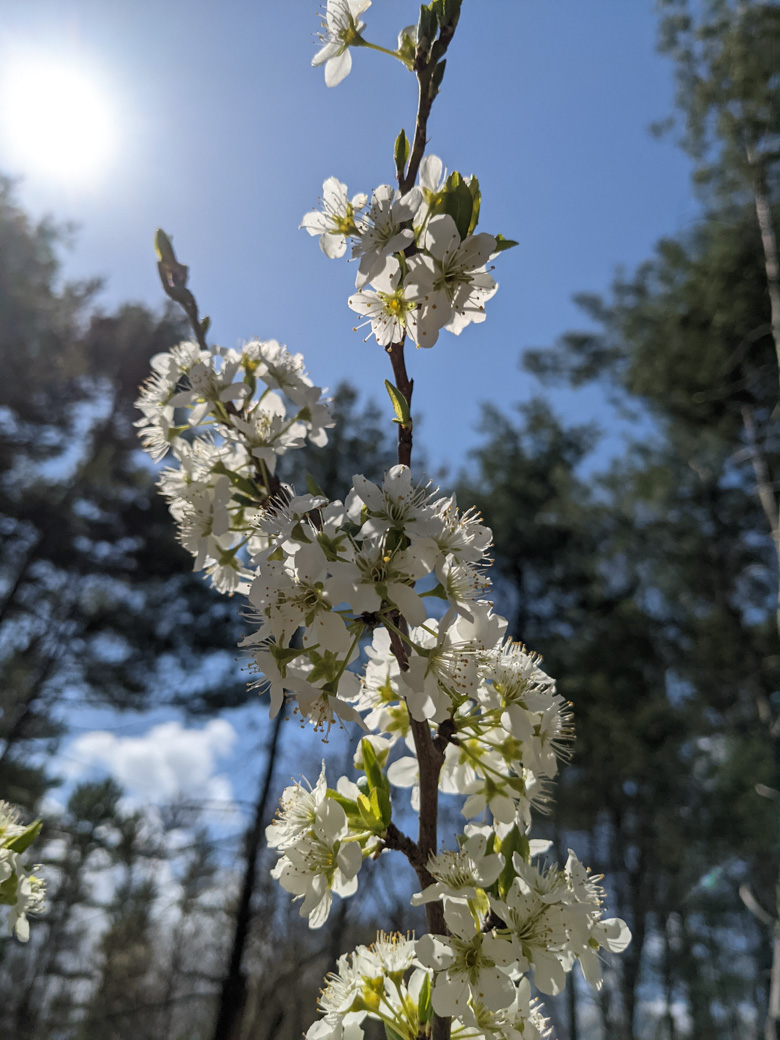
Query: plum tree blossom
{"x":24,"y":893}
{"x":336,"y":221}
{"x":372,"y":612}
{"x":317,"y":859}
{"x":392,"y":306}
{"x":469,"y":964}
{"x":386,"y":229}
{"x":342,"y":31}
{"x":456,"y":269}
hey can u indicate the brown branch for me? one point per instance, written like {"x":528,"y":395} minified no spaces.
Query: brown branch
{"x":425,"y":63}
{"x":430,"y":752}
{"x":397,"y":841}
{"x":406,"y":386}
{"x":430,"y":761}
{"x":445,"y":735}
{"x":424,"y":105}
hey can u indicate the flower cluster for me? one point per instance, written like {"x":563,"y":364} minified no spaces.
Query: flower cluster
{"x":388,"y":982}
{"x":503,"y":924}
{"x":22,"y":891}
{"x":509,"y":726}
{"x":400,"y":564}
{"x":421,"y":266}
{"x":227,"y":416}
{"x":319,"y":856}
{"x":332,"y":572}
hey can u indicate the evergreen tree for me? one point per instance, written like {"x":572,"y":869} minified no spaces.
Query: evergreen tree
{"x":687,"y":342}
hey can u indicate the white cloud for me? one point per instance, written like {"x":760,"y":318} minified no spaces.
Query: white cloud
{"x":166,"y":763}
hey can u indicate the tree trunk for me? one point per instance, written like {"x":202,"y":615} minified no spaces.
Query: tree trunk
{"x":234,"y":989}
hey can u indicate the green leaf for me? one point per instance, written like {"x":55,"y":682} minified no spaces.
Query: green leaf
{"x":370,"y":821}
{"x":374,"y":774}
{"x":401,"y":153}
{"x":476,"y":199}
{"x":504,"y":243}
{"x":333,"y":793}
{"x":313,"y":487}
{"x":282,"y":655}
{"x":400,"y":405}
{"x":427,"y":25}
{"x":242,"y":483}
{"x":299,"y":534}
{"x":513,"y":842}
{"x":451,"y":13}
{"x":23,"y":841}
{"x":380,"y":805}
{"x":459,"y":203}
{"x":8,"y":890}
{"x":347,"y":804}
{"x":424,"y":1006}
{"x":391,"y":1033}
{"x":407,"y":45}
{"x":438,"y":76}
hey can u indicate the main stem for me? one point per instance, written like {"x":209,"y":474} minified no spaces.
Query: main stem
{"x":430,"y":753}
{"x":430,"y":757}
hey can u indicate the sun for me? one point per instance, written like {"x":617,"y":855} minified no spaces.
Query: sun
{"x":55,"y":120}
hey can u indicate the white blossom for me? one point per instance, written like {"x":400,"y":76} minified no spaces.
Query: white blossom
{"x":342,"y":30}
{"x":382,"y":231}
{"x":320,"y":863}
{"x":392,"y":307}
{"x":459,"y":874}
{"x":456,"y":269}
{"x":23,"y":892}
{"x":399,"y":505}
{"x":297,"y":813}
{"x":337,"y":220}
{"x":469,"y":963}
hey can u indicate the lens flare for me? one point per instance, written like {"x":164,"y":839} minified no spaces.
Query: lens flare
{"x":55,"y":120}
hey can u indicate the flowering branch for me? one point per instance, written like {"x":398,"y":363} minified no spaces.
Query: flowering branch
{"x":402,"y":565}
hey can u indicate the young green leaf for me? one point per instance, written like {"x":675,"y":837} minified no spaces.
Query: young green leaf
{"x":380,"y":806}
{"x":24,"y":840}
{"x":313,"y":487}
{"x":374,"y":774}
{"x":504,"y":243}
{"x":400,"y":405}
{"x":513,"y":842}
{"x":476,"y":199}
{"x":401,"y":153}
{"x":459,"y":203}
{"x":424,"y":1006}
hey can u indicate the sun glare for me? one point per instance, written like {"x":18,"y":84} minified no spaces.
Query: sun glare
{"x":55,"y":121}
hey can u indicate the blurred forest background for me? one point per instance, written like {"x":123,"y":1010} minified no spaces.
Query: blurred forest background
{"x":649,"y":585}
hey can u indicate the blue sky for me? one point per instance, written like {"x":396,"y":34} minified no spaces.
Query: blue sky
{"x":223,"y":134}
